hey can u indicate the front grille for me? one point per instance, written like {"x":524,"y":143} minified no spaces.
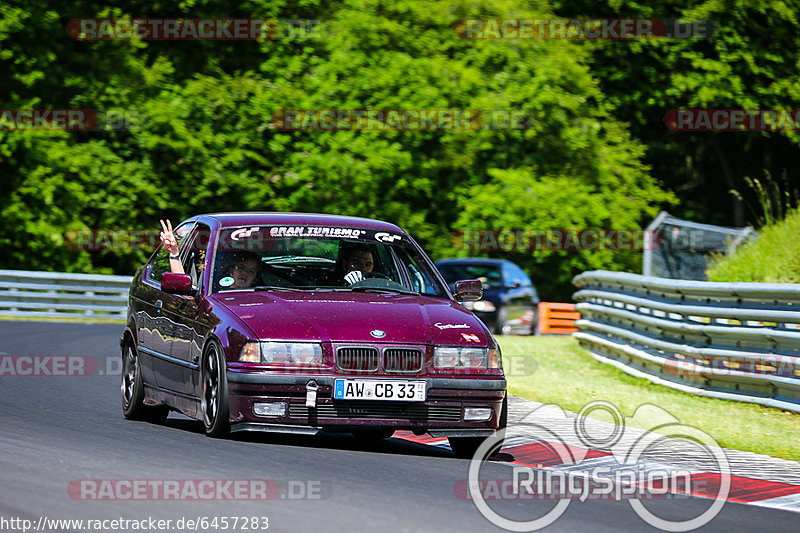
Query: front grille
{"x":402,"y":359}
{"x":361,"y":359}
{"x":415,"y":412}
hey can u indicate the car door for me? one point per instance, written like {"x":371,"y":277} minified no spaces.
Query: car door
{"x":153,"y":327}
{"x":179,"y":372}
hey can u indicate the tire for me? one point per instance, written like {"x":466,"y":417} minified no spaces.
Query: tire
{"x":373,"y":434}
{"x":214,"y":393}
{"x":132,"y":389}
{"x":465,"y":447}
{"x":501,"y":326}
{"x":535,"y":324}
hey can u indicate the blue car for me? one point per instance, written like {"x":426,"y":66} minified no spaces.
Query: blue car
{"x":510,"y":302}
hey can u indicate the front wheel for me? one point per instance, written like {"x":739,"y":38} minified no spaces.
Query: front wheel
{"x":465,"y":447}
{"x":132,"y":389}
{"x":214,"y":394}
{"x":502,"y":327}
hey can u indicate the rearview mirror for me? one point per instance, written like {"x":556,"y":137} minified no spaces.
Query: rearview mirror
{"x":468,"y":290}
{"x":176,"y":283}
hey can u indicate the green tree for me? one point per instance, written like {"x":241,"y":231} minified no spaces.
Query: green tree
{"x":210,"y":142}
{"x":750,"y":62}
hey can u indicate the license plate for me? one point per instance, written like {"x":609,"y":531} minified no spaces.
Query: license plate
{"x":370,"y":389}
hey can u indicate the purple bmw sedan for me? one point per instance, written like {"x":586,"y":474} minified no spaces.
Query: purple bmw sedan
{"x":303,"y":323}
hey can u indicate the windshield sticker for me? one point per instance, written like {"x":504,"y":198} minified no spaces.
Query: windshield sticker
{"x":386,"y":237}
{"x":227,"y":281}
{"x":451,"y":326}
{"x":243,"y":233}
{"x":471,"y":337}
{"x":315,"y":231}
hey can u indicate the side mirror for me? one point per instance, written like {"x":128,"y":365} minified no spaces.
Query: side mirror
{"x":176,"y":283}
{"x":468,"y":290}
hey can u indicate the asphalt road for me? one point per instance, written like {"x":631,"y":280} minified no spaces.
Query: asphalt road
{"x":59,"y":430}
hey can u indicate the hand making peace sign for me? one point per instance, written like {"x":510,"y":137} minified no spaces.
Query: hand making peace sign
{"x":170,"y":243}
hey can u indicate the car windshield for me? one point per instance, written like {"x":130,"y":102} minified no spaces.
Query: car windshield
{"x":489,"y":274}
{"x":321,"y":258}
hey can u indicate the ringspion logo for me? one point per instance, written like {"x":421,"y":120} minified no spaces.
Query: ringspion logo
{"x":570,"y":468}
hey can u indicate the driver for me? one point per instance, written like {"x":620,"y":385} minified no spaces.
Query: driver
{"x":356,"y":261}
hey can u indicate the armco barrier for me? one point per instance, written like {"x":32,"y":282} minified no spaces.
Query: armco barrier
{"x":738,"y":341}
{"x":57,"y":294}
{"x":557,"y":318}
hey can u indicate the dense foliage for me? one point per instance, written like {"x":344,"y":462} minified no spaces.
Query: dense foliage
{"x":750,"y":62}
{"x":210,"y":142}
{"x":773,"y":257}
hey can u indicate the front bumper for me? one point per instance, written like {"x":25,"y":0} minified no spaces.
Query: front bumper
{"x":441,"y":414}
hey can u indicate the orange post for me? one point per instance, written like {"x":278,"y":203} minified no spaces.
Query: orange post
{"x":557,"y":318}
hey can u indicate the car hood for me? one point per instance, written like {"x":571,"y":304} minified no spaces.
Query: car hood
{"x":353,"y":317}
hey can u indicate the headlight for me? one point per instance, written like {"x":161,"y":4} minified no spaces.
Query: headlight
{"x":293,"y":353}
{"x":250,"y":353}
{"x":286,"y":353}
{"x":481,"y":305}
{"x":460,"y":357}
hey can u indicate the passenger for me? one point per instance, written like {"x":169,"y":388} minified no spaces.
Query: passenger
{"x":240,"y":271}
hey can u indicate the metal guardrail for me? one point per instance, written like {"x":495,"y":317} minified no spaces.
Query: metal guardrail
{"x":61,"y":295}
{"x":738,"y":341}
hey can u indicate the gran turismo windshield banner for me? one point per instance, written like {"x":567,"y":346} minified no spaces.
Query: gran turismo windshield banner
{"x":263,"y":238}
